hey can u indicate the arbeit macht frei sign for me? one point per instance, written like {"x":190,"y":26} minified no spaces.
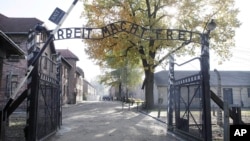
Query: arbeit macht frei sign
{"x":125,"y":26}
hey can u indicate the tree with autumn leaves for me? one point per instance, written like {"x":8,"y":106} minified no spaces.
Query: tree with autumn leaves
{"x":190,"y":15}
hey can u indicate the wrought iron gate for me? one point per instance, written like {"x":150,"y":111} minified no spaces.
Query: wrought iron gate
{"x":44,"y":102}
{"x":186,"y":104}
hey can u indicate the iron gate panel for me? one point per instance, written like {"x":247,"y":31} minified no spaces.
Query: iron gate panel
{"x":44,"y":102}
{"x":188,"y":106}
{"x":47,"y":118}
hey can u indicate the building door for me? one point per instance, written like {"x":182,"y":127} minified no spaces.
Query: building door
{"x":228,"y":95}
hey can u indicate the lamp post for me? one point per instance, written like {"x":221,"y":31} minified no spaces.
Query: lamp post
{"x":205,"y":67}
{"x":170,"y":93}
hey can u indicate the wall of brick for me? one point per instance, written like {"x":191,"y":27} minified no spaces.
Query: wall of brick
{"x":79,"y":87}
{"x":64,"y":82}
{"x":10,"y":68}
{"x":72,"y":82}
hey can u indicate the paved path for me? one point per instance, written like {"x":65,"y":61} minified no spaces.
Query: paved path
{"x":106,"y":121}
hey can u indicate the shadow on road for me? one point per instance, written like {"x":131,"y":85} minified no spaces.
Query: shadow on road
{"x":107,"y":121}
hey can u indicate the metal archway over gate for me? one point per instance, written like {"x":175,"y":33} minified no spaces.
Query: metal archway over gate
{"x":43,"y":93}
{"x":128,"y":27}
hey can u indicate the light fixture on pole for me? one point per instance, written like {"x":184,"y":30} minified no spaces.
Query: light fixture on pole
{"x":211,"y":26}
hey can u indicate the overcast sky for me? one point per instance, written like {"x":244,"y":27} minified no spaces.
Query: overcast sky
{"x":42,"y":9}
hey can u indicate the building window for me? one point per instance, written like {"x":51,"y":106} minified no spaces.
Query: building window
{"x":14,"y":82}
{"x":45,"y":61}
{"x":51,"y":65}
{"x":41,"y":37}
{"x":65,"y":73}
{"x":228,"y":95}
{"x":13,"y":58}
{"x":11,"y":85}
{"x":38,"y":37}
{"x":248,"y":92}
{"x":50,"y":60}
{"x":64,"y":90}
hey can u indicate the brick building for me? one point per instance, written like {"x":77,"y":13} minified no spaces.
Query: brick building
{"x":10,"y":55}
{"x":65,"y":67}
{"x":89,"y":91}
{"x":69,"y":72}
{"x":74,"y":87}
{"x":17,"y":29}
{"x":79,"y":84}
{"x":43,"y":82}
{"x":13,"y":70}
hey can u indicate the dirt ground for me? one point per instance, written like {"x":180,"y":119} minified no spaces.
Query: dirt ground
{"x":107,"y":121}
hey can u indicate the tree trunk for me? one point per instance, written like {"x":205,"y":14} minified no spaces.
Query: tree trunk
{"x":149,"y":75}
{"x":149,"y":84}
{"x":120,"y":91}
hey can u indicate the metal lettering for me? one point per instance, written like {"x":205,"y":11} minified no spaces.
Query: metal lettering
{"x":105,"y":31}
{"x":83,"y":33}
{"x":68,"y":33}
{"x":181,"y":35}
{"x":123,"y":26}
{"x":89,"y":30}
{"x":60,"y":34}
{"x":77,"y":33}
{"x":134,"y":28}
{"x":142,"y":33}
{"x":158,"y":32}
{"x":191,"y":36}
{"x":113,"y":28}
{"x":169,"y":34}
{"x":123,"y":23}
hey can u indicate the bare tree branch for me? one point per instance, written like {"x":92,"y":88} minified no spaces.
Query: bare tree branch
{"x":169,"y":53}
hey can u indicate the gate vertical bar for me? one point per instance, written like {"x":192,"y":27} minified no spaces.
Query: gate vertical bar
{"x":205,"y":67}
{"x":177,"y":100}
{"x":59,"y":91}
{"x":188,"y":104}
{"x":31,"y":131}
{"x":219,"y":111}
{"x":170,"y":92}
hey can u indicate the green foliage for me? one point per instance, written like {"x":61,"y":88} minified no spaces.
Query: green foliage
{"x":127,"y":75}
{"x":172,"y":14}
{"x":192,"y":15}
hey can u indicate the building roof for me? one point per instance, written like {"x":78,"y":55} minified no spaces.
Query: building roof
{"x":87,"y":83}
{"x":66,"y":62}
{"x":80,"y":71}
{"x":67,"y":54}
{"x":228,"y":78}
{"x":17,"y":25}
{"x":10,"y":46}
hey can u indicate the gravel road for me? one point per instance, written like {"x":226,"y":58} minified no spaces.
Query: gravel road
{"x":107,"y":121}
